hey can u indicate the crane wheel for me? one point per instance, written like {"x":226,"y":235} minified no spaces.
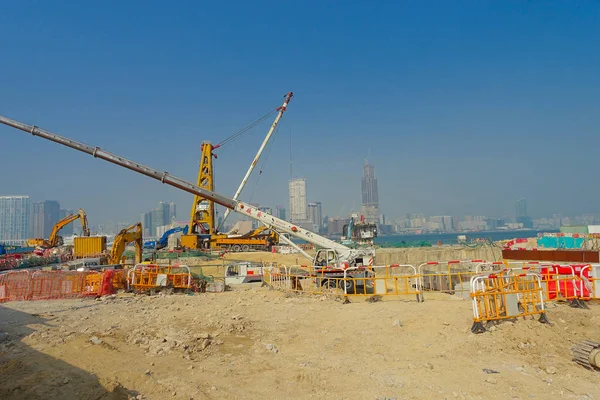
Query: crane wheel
{"x":348,"y":285}
{"x":245,"y":248}
{"x":236,"y":247}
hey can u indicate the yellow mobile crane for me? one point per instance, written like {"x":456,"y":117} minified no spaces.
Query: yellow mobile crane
{"x":204,"y":233}
{"x":56,"y":240}
{"x":122,"y":239}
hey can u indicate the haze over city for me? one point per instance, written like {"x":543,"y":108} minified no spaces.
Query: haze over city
{"x":462,"y":107}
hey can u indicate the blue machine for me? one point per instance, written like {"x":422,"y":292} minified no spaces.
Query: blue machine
{"x":164,"y":240}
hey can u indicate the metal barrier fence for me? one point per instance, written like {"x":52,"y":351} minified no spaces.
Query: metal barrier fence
{"x":569,"y":282}
{"x":144,"y":277}
{"x":505,"y":295}
{"x":395,"y":280}
{"x":452,"y":276}
{"x":558,"y":282}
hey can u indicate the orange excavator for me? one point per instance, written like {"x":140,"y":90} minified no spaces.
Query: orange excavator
{"x":122,"y":239}
{"x":55,"y":240}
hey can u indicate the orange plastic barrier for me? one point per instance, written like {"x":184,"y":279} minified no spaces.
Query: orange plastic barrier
{"x":42,"y":285}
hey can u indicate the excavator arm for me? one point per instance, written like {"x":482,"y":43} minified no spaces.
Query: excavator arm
{"x":54,"y":239}
{"x":122,"y":239}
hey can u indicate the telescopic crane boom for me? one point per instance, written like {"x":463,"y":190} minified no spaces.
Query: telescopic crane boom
{"x":280,"y":111}
{"x":341,"y":252}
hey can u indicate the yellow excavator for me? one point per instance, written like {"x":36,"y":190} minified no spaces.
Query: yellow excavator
{"x":122,"y":239}
{"x":56,"y":240}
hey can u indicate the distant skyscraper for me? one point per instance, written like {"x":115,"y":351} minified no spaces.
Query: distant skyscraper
{"x":146,"y":219}
{"x":521,"y":214}
{"x":370,"y":194}
{"x":45,"y":215}
{"x":37,"y":219}
{"x":157,"y":220}
{"x":315,"y":214}
{"x":521,"y":208}
{"x":14,"y":219}
{"x":166,"y":212}
{"x":67,"y":230}
{"x":172,"y":211}
{"x":280,"y":212}
{"x":298,"y":206}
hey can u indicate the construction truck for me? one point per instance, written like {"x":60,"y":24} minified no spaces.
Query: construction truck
{"x":331,"y":259}
{"x":262,"y":239}
{"x":56,"y":240}
{"x":132,"y":234}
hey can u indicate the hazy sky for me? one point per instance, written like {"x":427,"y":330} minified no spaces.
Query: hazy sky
{"x":462,"y":106}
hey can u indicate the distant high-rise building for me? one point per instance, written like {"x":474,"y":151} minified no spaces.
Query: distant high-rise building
{"x":14,"y":219}
{"x":166,"y":212}
{"x":158,"y":216}
{"x":521,"y":208}
{"x":521,"y":214}
{"x":280,"y":212}
{"x":37,"y":219}
{"x":67,"y":230}
{"x":298,"y":206}
{"x":146,"y":219}
{"x":45,"y":215}
{"x":315,"y":214}
{"x":172,"y":211}
{"x":370,"y":194}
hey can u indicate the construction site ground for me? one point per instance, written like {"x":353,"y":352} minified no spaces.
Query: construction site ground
{"x":256,"y":343}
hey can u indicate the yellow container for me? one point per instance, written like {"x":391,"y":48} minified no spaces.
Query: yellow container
{"x":87,"y":246}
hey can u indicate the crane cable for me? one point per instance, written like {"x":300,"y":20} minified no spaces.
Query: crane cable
{"x":245,"y":129}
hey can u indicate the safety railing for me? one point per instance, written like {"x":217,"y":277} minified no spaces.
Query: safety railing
{"x":505,"y":295}
{"x":452,"y":276}
{"x":561,"y":282}
{"x":145,"y":277}
{"x":394,"y":280}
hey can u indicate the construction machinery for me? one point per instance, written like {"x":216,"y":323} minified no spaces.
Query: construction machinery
{"x":55,"y":240}
{"x":359,"y":233}
{"x":164,"y":239}
{"x":261,"y":238}
{"x":331,"y":256}
{"x":204,"y":234}
{"x":122,"y":239}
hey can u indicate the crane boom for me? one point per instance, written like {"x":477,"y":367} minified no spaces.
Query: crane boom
{"x":280,"y":110}
{"x":166,"y":178}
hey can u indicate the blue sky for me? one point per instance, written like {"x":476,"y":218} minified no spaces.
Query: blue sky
{"x":462,"y":106}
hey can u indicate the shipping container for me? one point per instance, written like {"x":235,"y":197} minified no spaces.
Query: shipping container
{"x":574,"y":229}
{"x":86,"y":246}
{"x":19,"y":250}
{"x":593,"y":228}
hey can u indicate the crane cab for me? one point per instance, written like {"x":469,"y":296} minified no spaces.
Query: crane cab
{"x":326,"y":258}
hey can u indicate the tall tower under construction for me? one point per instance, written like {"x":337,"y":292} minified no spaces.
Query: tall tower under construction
{"x":370,"y":194}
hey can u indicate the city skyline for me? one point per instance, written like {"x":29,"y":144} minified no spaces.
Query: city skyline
{"x":405,"y":223}
{"x":440,"y":115}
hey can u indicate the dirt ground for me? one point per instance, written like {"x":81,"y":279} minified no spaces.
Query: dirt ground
{"x":254,"y":343}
